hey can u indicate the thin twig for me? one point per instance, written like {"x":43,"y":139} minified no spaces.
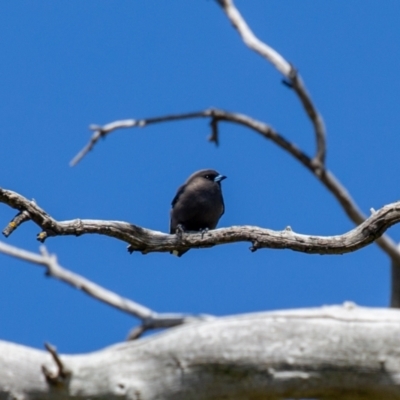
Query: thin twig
{"x":19,"y":219}
{"x":62,"y":375}
{"x":79,"y":282}
{"x":252,"y":41}
{"x":315,"y":117}
{"x":103,"y":131}
{"x":149,"y":318}
{"x":135,"y":333}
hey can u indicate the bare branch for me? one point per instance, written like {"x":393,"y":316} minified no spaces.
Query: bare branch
{"x":326,"y":177}
{"x":103,"y":131}
{"x":315,"y":117}
{"x":19,"y":219}
{"x":148,"y":241}
{"x":252,"y":41}
{"x":56,"y":271}
{"x":149,"y":318}
{"x":315,"y":165}
{"x":215,"y":115}
{"x":286,"y":69}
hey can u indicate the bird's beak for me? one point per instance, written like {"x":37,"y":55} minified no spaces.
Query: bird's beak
{"x":219,"y":178}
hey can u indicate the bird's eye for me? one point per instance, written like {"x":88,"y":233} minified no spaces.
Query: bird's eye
{"x":209,"y":177}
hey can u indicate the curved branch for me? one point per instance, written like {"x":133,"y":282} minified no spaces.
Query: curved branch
{"x":148,"y":241}
{"x":314,"y":165}
{"x":286,"y":69}
{"x":317,"y":164}
{"x":149,"y":319}
{"x":251,"y":40}
{"x":326,"y":177}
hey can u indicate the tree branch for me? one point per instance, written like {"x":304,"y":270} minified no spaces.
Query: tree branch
{"x":315,"y":165}
{"x":103,"y":131}
{"x":215,"y":115}
{"x":295,"y":82}
{"x":286,"y":69}
{"x":149,"y":319}
{"x":345,"y":352}
{"x":148,"y":241}
{"x":326,"y":177}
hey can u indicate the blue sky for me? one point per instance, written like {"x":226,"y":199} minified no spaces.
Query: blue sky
{"x":70,"y":64}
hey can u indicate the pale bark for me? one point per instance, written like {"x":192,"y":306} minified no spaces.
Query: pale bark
{"x":345,"y":352}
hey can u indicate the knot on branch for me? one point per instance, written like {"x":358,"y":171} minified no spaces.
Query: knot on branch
{"x":214,"y":136}
{"x":134,"y":247}
{"x":42,"y":236}
{"x":78,"y":226}
{"x":318,"y":166}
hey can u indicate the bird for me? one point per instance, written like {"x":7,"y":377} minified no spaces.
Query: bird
{"x":198,"y":204}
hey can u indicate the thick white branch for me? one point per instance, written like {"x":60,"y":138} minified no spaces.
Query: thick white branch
{"x":341,"y":352}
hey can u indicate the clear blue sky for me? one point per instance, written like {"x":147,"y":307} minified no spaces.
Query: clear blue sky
{"x":66,"y":65}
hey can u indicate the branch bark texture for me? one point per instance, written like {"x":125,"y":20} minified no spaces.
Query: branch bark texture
{"x":147,"y":241}
{"x":345,"y":352}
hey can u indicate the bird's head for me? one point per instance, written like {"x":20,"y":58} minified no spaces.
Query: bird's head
{"x":208,"y":174}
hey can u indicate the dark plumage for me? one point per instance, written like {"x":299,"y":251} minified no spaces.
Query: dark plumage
{"x":198,"y":203}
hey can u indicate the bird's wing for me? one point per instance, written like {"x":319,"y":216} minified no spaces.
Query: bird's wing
{"x":178,"y":193}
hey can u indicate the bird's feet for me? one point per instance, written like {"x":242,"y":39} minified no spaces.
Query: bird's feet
{"x":203,"y":231}
{"x":179,"y":231}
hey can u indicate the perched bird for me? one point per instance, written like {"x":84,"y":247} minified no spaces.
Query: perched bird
{"x":198,"y":204}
